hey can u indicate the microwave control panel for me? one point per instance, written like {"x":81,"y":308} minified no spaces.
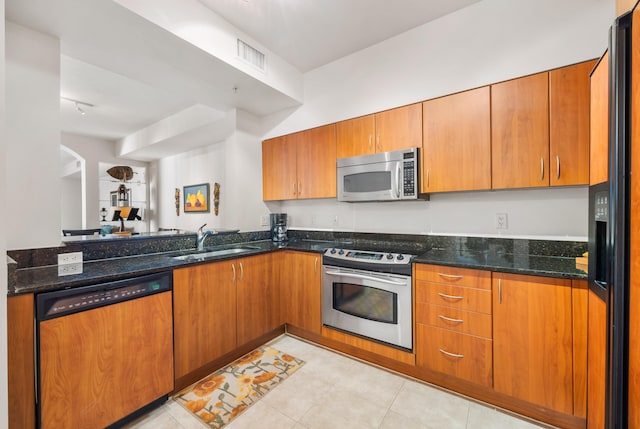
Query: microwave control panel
{"x":409,"y":174}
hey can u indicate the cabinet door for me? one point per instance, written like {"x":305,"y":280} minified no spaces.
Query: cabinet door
{"x":279,"y":180}
{"x":532,"y":340}
{"x":599,"y":124}
{"x":300,"y":290}
{"x":597,"y":358}
{"x":399,"y":128}
{"x":457,"y":142}
{"x":20,"y":362}
{"x":317,"y":162}
{"x":569,"y":124}
{"x":257,"y":299}
{"x":520,"y":132}
{"x":355,"y":137}
{"x":90,"y":377}
{"x":204,"y":312}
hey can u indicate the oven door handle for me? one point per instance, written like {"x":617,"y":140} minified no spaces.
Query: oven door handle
{"x":361,"y":276}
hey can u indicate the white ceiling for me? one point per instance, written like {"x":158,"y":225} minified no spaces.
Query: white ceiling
{"x":311,"y":33}
{"x":135,"y":73}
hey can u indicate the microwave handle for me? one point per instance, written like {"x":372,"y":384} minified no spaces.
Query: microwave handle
{"x":364,"y":277}
{"x":398,"y":180}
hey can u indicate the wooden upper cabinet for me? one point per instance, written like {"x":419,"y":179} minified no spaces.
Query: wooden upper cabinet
{"x":399,"y":128}
{"x":279,"y":180}
{"x":569,"y":124}
{"x":300,"y":165}
{"x":316,"y":164}
{"x":520,"y":132}
{"x":533,"y":340}
{"x":456,"y":153}
{"x":356,"y":136}
{"x":395,"y":129}
{"x":599,"y":124}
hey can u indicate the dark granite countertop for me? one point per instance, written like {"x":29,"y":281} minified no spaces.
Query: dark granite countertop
{"x":104,"y":260}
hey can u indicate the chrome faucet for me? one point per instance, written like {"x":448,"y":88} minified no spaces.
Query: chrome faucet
{"x":201,"y":236}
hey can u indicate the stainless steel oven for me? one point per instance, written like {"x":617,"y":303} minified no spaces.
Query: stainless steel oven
{"x":368,"y":294}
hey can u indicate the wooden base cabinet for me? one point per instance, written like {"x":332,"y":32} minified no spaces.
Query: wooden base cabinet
{"x":20,"y":361}
{"x":221,"y":306}
{"x":597,"y":358}
{"x":453,"y":322}
{"x":301,"y":290}
{"x":258,"y":300}
{"x":533,"y":340}
{"x":204,"y":314}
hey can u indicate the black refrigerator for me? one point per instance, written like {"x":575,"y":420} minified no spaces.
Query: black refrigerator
{"x":609,"y":216}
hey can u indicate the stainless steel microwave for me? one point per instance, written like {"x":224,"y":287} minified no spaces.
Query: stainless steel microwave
{"x":387,"y":176}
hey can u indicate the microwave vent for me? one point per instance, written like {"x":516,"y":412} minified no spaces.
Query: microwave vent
{"x":251,"y":55}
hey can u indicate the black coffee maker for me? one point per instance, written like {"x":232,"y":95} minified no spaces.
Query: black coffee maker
{"x":278,"y":226}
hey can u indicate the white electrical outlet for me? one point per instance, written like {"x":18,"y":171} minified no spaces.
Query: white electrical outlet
{"x":501,"y":221}
{"x":70,"y":258}
{"x":69,"y":269}
{"x":264,"y":220}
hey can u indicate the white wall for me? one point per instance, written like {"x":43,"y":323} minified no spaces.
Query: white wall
{"x":33,"y":132}
{"x":94,"y":151}
{"x":4,"y":401}
{"x":71,"y":203}
{"x":235,"y":163}
{"x":488,"y":42}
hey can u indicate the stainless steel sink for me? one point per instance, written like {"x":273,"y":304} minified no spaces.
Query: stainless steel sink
{"x":200,"y":256}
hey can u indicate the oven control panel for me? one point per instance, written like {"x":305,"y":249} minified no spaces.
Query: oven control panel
{"x":368,"y":256}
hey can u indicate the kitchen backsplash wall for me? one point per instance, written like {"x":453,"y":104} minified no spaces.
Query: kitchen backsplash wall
{"x":559,"y":213}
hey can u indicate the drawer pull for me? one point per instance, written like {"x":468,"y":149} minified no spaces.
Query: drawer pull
{"x":450,"y":276}
{"x":455,"y":355}
{"x":444,"y":295}
{"x":448,"y":319}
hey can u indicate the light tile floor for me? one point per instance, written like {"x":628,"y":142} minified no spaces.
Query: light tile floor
{"x":334,"y":391}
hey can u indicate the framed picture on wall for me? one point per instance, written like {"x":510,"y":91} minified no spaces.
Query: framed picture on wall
{"x":196,"y":198}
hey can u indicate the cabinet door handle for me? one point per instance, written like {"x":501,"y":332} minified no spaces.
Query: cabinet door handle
{"x":448,"y":319}
{"x":370,"y":143}
{"x":315,"y":265}
{"x":541,"y":168}
{"x":499,"y":291}
{"x":444,"y":295}
{"x":428,"y":171}
{"x":557,"y":167}
{"x":455,"y":355}
{"x":293,"y":188}
{"x":299,"y":189}
{"x":241,"y":271}
{"x":233,"y":268}
{"x":450,"y":276}
{"x":378,"y":142}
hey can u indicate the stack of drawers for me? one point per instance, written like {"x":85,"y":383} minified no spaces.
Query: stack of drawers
{"x":453,"y":322}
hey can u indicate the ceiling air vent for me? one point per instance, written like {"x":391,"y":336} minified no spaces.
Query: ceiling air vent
{"x":251,"y":55}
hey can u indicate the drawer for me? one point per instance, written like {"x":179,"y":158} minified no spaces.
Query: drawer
{"x":463,"y":298}
{"x":460,"y":355}
{"x":467,"y":322}
{"x":453,"y":276}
